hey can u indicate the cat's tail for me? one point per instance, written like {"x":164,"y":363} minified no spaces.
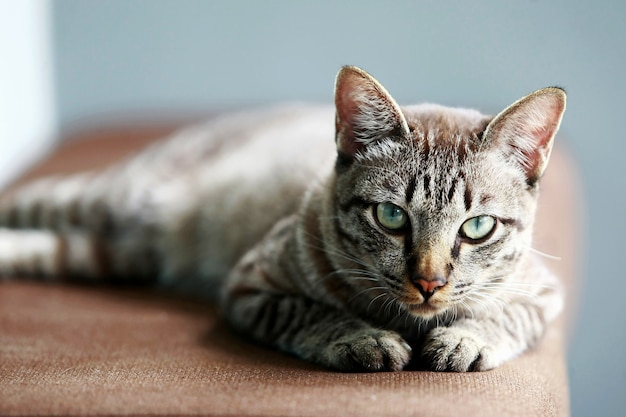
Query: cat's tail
{"x":51,"y":255}
{"x":58,"y":203}
{"x":43,"y":253}
{"x":75,"y":226}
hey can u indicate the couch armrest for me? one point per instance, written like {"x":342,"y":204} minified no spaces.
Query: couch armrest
{"x":82,"y":350}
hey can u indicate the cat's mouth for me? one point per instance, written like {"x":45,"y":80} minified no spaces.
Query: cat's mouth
{"x":424,"y":306}
{"x":425,"y":309}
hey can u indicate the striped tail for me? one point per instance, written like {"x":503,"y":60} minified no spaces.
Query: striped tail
{"x":66,"y":227}
{"x":46,"y":254}
{"x":75,"y":202}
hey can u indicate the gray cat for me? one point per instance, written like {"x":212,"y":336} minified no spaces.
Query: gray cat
{"x":409,"y":236}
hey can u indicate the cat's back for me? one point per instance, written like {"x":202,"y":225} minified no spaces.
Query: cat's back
{"x":261,"y":156}
{"x":232,"y":178}
{"x":289,"y":134}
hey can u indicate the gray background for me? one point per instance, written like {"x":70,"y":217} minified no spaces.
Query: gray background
{"x":115,"y":58}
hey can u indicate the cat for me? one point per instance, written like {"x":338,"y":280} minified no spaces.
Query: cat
{"x":405,"y":239}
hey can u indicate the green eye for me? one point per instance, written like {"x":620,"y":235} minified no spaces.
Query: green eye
{"x":391,"y":216}
{"x":478,"y":227}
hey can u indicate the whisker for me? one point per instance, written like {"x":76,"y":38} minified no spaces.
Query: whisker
{"x":546,"y":255}
{"x":468,"y":308}
{"x":387,"y":306}
{"x":372,"y":301}
{"x":521,"y":284}
{"x":339,"y":253}
{"x":355,"y":273}
{"x":364,"y":291}
{"x":480,"y":301}
{"x":528,"y":290}
{"x":406,"y":320}
{"x":400,"y":311}
{"x":332,"y":250}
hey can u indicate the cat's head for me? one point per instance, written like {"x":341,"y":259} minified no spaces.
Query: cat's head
{"x":435,"y":204}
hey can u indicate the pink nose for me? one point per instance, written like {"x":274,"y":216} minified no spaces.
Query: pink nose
{"x":428,"y":287}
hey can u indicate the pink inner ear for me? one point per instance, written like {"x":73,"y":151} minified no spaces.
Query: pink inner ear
{"x":347,"y":108}
{"x":365,"y":111}
{"x":528,"y":128}
{"x":553,"y":112}
{"x":540,"y":153}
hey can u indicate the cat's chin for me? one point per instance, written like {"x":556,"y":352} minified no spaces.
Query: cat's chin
{"x":425,"y":310}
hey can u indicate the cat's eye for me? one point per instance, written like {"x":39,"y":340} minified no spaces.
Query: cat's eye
{"x":391,"y":217}
{"x":478,"y":228}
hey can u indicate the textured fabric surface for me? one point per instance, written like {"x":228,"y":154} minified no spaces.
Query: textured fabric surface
{"x":81,"y":350}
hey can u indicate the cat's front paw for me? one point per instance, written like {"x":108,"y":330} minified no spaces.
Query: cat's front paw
{"x":458,"y":350}
{"x":371,"y":351}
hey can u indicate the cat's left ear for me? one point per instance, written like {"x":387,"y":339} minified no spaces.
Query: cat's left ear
{"x":525,"y":130}
{"x":366,"y":112}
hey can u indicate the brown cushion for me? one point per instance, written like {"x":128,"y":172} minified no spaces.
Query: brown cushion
{"x":71,"y":350}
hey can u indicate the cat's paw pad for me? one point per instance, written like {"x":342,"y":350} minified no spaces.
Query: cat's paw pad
{"x":457,"y":350}
{"x":376,"y":350}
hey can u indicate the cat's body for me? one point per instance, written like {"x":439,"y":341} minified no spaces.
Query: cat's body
{"x":416,"y":236}
{"x":245,"y":170}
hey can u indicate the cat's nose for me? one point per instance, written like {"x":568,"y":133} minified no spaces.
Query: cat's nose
{"x":427,"y":287}
{"x":431,"y":271}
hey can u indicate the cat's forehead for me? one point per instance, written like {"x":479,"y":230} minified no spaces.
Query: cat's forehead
{"x":442,"y":125}
{"x":442,"y":161}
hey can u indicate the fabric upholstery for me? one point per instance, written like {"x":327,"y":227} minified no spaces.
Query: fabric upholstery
{"x":89,"y":350}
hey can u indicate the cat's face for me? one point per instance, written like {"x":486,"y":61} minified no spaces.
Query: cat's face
{"x":438,"y":207}
{"x":444,"y":212}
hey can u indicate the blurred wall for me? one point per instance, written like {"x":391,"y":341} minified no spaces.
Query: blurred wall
{"x":27,"y":115}
{"x":119,"y":58}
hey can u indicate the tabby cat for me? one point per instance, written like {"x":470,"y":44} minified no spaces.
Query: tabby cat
{"x":408,"y":237}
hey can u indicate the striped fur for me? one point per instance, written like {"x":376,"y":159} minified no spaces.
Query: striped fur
{"x":280,"y":226}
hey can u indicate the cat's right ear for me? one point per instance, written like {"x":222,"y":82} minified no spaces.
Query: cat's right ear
{"x":365,"y":112}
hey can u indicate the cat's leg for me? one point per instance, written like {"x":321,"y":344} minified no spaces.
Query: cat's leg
{"x":480,"y":344}
{"x":261,"y":301}
{"x":103,"y":203}
{"x":314,"y":331}
{"x":46,"y":254}
{"x":87,"y":225}
{"x":55,"y":203}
